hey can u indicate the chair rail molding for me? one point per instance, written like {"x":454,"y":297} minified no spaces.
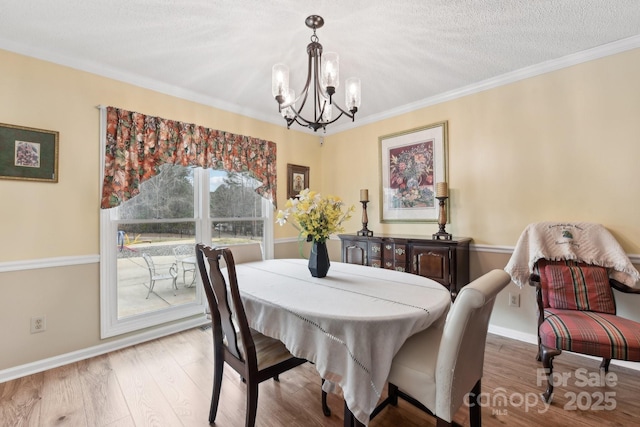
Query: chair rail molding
{"x":34,"y":264}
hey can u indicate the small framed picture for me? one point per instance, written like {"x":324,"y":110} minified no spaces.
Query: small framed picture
{"x":297,"y":179}
{"x":411,"y":162}
{"x":28,"y":154}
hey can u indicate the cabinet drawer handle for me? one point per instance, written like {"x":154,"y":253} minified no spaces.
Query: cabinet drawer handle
{"x":388,"y":246}
{"x":400,"y":251}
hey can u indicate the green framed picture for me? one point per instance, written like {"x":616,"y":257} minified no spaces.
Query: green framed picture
{"x":28,"y":154}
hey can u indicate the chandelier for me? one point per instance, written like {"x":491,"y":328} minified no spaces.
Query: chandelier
{"x":322,"y":82}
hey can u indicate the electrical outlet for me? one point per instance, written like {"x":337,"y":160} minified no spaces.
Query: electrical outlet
{"x":38,"y":324}
{"x":514,"y":300}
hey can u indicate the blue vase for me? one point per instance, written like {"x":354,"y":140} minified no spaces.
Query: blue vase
{"x":319,"y":259}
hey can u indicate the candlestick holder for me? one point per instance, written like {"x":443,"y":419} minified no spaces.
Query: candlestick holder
{"x":365,"y":220}
{"x":442,"y":220}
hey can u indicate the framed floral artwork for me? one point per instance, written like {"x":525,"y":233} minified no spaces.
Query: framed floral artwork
{"x":411,"y":162}
{"x":297,"y":179}
{"x":28,"y":154}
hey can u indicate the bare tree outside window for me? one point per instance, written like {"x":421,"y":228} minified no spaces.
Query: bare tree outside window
{"x":165,"y":196}
{"x":161,"y":222}
{"x":236,"y":209}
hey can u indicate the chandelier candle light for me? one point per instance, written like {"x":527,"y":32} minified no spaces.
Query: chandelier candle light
{"x":442,"y":194}
{"x":364,"y":199}
{"x":322,"y":81}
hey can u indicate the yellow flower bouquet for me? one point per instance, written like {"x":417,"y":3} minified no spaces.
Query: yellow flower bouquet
{"x":315,"y":217}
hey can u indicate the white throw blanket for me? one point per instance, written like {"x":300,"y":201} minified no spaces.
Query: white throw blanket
{"x":581,"y":241}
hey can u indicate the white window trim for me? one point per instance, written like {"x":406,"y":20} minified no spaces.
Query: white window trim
{"x":110,"y":324}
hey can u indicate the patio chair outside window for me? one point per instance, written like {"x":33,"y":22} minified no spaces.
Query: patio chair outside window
{"x":186,"y":258}
{"x":154,"y":275}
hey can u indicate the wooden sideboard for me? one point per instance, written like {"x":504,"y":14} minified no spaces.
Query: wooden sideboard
{"x":445,"y":261}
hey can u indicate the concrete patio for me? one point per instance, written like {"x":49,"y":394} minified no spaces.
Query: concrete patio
{"x":133,"y":275}
{"x":133,"y":286}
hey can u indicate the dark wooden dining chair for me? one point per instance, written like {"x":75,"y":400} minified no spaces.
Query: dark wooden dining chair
{"x":577,"y":313}
{"x":253,"y":355}
{"x":435,"y":369}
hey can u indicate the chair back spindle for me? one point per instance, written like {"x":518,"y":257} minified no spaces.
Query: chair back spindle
{"x":227,"y":309}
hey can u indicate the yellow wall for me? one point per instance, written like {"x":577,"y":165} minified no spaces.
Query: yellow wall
{"x":42,"y":220}
{"x":560,"y":146}
{"x":52,"y":220}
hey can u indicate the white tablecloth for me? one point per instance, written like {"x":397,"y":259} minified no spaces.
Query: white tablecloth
{"x":350,"y":323}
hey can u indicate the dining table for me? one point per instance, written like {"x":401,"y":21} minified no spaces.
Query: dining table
{"x":349,"y":324}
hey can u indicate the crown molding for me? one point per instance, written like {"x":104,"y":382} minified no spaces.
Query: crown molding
{"x":178,"y":92}
{"x":501,"y":80}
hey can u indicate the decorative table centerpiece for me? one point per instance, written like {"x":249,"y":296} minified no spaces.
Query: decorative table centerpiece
{"x":316,"y":218}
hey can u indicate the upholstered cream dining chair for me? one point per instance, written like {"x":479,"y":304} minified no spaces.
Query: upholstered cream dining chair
{"x":435,"y":369}
{"x":246,"y":252}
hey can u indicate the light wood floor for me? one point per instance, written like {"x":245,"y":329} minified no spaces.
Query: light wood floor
{"x":167,"y":382}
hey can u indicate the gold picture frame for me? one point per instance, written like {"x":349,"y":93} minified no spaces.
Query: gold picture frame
{"x":411,"y":162}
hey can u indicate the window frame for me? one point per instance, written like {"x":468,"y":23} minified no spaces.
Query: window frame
{"x":110,"y":324}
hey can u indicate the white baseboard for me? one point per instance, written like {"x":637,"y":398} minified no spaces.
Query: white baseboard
{"x":64,"y":359}
{"x":86,"y":353}
{"x":513,"y":334}
{"x":533,"y":339}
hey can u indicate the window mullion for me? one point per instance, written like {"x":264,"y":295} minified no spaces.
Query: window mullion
{"x":203,"y":220}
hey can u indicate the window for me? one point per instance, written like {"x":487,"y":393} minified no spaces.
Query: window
{"x":148,"y":270}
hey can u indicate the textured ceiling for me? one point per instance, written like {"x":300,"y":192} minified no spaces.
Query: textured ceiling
{"x":220,"y":52}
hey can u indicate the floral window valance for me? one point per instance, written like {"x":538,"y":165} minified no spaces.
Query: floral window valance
{"x":137,"y":145}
